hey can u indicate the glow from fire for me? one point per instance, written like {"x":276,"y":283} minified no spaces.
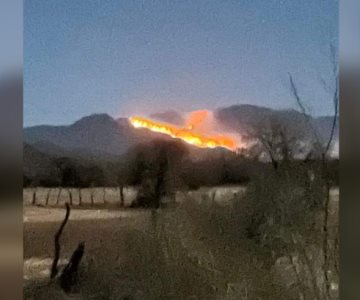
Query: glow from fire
{"x":189,"y":134}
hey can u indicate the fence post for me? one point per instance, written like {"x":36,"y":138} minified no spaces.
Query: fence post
{"x":80,"y":197}
{"x":70,"y":196}
{"x":33,"y":201}
{"x":47,"y":197}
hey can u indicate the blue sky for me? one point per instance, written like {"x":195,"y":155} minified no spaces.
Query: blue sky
{"x":138,"y":57}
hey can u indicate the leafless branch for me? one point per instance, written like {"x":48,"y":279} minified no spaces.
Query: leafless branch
{"x":335,"y":96}
{"x":295,"y":93}
{"x":54,"y":267}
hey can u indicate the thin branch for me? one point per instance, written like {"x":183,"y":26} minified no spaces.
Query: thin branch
{"x":54,"y":267}
{"x":336,"y":108}
{"x":268,"y":146}
{"x":295,"y":93}
{"x":334,"y":63}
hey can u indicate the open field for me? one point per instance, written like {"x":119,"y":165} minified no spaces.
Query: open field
{"x":148,"y":254}
{"x":122,"y":258}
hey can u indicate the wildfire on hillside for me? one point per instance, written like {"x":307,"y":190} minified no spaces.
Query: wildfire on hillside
{"x":195,"y":131}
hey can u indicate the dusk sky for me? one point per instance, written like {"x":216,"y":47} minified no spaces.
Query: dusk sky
{"x":139,"y":57}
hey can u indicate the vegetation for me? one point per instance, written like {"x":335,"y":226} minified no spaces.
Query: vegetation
{"x":278,"y":240}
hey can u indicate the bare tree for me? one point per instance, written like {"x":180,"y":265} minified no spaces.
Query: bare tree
{"x":273,"y":138}
{"x":334,"y":90}
{"x":316,"y":143}
{"x":324,"y":149}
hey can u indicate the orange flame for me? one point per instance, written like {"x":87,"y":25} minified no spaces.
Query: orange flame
{"x":187,"y":134}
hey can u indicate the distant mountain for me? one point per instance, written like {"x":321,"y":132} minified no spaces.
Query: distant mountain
{"x":99,"y":136}
{"x":243,"y":118}
{"x":323,"y":126}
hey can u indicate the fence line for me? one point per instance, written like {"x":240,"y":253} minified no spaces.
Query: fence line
{"x":58,"y":196}
{"x":115,"y":196}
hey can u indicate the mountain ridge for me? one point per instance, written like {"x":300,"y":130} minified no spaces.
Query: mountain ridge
{"x":102,"y":136}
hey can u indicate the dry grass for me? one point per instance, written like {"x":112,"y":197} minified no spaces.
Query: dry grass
{"x":163,"y":256}
{"x":198,"y":250}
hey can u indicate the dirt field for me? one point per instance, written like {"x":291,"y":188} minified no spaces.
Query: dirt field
{"x":123,"y":257}
{"x":105,"y":233}
{"x":142,"y":254}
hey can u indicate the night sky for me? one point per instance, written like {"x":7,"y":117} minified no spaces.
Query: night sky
{"x":139,"y":57}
